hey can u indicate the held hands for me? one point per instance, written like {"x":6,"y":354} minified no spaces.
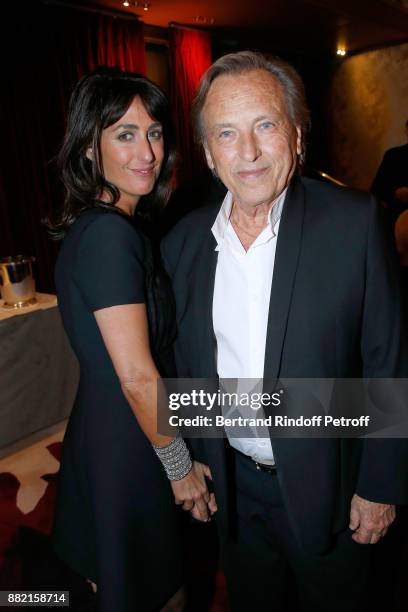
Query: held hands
{"x":369,"y":520}
{"x":401,"y":194}
{"x":192,"y":494}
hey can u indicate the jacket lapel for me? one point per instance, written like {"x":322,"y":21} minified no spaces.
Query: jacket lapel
{"x":204,"y":284}
{"x":286,"y":263}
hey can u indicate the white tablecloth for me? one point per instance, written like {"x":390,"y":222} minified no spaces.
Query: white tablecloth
{"x":44,"y":301}
{"x":38,"y":371}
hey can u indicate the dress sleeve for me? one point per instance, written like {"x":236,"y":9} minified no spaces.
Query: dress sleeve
{"x":109,"y":268}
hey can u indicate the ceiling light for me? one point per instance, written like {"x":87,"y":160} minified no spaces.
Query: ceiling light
{"x":137,"y":4}
{"x":341,"y":51}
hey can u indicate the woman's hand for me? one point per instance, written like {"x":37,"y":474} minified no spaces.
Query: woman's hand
{"x":192,"y":494}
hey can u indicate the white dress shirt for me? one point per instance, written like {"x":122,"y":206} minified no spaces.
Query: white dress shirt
{"x":242,"y":288}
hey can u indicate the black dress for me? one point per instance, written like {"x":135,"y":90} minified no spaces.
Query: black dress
{"x":116,"y":521}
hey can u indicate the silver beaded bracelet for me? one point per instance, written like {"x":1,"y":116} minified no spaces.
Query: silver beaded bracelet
{"x":175,"y":458}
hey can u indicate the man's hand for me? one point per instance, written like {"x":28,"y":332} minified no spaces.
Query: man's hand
{"x":204,"y":470}
{"x":401,"y":194}
{"x":369,"y":520}
{"x":192,"y":494}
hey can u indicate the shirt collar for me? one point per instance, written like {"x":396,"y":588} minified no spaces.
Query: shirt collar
{"x":223,"y":218}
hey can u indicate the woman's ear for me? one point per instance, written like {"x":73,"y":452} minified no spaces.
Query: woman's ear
{"x":89,"y":153}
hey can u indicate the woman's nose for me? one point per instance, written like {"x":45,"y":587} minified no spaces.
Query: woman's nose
{"x":145,"y":151}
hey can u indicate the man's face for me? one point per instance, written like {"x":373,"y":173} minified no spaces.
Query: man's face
{"x":251,"y":142}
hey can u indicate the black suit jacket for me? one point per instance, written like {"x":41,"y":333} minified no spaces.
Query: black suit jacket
{"x":334,"y":312}
{"x":392,"y":173}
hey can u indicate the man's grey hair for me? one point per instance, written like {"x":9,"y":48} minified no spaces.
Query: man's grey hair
{"x":246,"y":61}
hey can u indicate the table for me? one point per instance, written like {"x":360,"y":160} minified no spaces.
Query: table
{"x":38,"y":371}
{"x":44,"y":301}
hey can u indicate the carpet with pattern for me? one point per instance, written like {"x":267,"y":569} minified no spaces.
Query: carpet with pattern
{"x":28,"y":562}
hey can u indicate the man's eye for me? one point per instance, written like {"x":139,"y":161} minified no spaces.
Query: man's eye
{"x":225,"y":134}
{"x":155,"y":134}
{"x":125,"y":136}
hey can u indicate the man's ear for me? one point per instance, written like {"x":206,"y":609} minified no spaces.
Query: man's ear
{"x":89,"y":153}
{"x":209,"y":159}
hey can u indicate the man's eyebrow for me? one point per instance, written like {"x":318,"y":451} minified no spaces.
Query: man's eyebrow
{"x":222,"y":125}
{"x":260,"y":118}
{"x":269,"y":116}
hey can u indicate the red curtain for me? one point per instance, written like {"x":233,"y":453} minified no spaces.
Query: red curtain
{"x":44,"y":50}
{"x":121,"y":45}
{"x":190,"y":56}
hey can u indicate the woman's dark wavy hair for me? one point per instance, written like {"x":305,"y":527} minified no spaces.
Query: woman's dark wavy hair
{"x":99,"y":100}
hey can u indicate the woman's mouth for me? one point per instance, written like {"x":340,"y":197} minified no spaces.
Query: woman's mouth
{"x":142,"y":171}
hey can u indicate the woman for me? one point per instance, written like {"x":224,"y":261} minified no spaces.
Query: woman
{"x":115,"y":518}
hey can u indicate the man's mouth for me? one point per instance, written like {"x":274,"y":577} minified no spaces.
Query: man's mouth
{"x":252,"y":174}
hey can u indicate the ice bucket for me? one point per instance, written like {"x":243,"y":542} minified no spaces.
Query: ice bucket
{"x":17,"y":286}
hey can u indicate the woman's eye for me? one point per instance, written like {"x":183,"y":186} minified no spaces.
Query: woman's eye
{"x":125,"y":136}
{"x":225,"y":134}
{"x":266,"y":125}
{"x":155,"y":134}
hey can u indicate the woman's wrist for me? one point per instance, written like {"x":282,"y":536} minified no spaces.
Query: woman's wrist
{"x":175,"y":458}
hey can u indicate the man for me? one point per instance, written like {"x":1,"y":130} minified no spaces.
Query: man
{"x":391,"y":181}
{"x":332,"y":310}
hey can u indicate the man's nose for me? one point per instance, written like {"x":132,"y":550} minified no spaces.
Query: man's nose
{"x":250,"y":149}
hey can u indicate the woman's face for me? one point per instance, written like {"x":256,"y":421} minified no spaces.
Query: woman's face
{"x":132,"y":154}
